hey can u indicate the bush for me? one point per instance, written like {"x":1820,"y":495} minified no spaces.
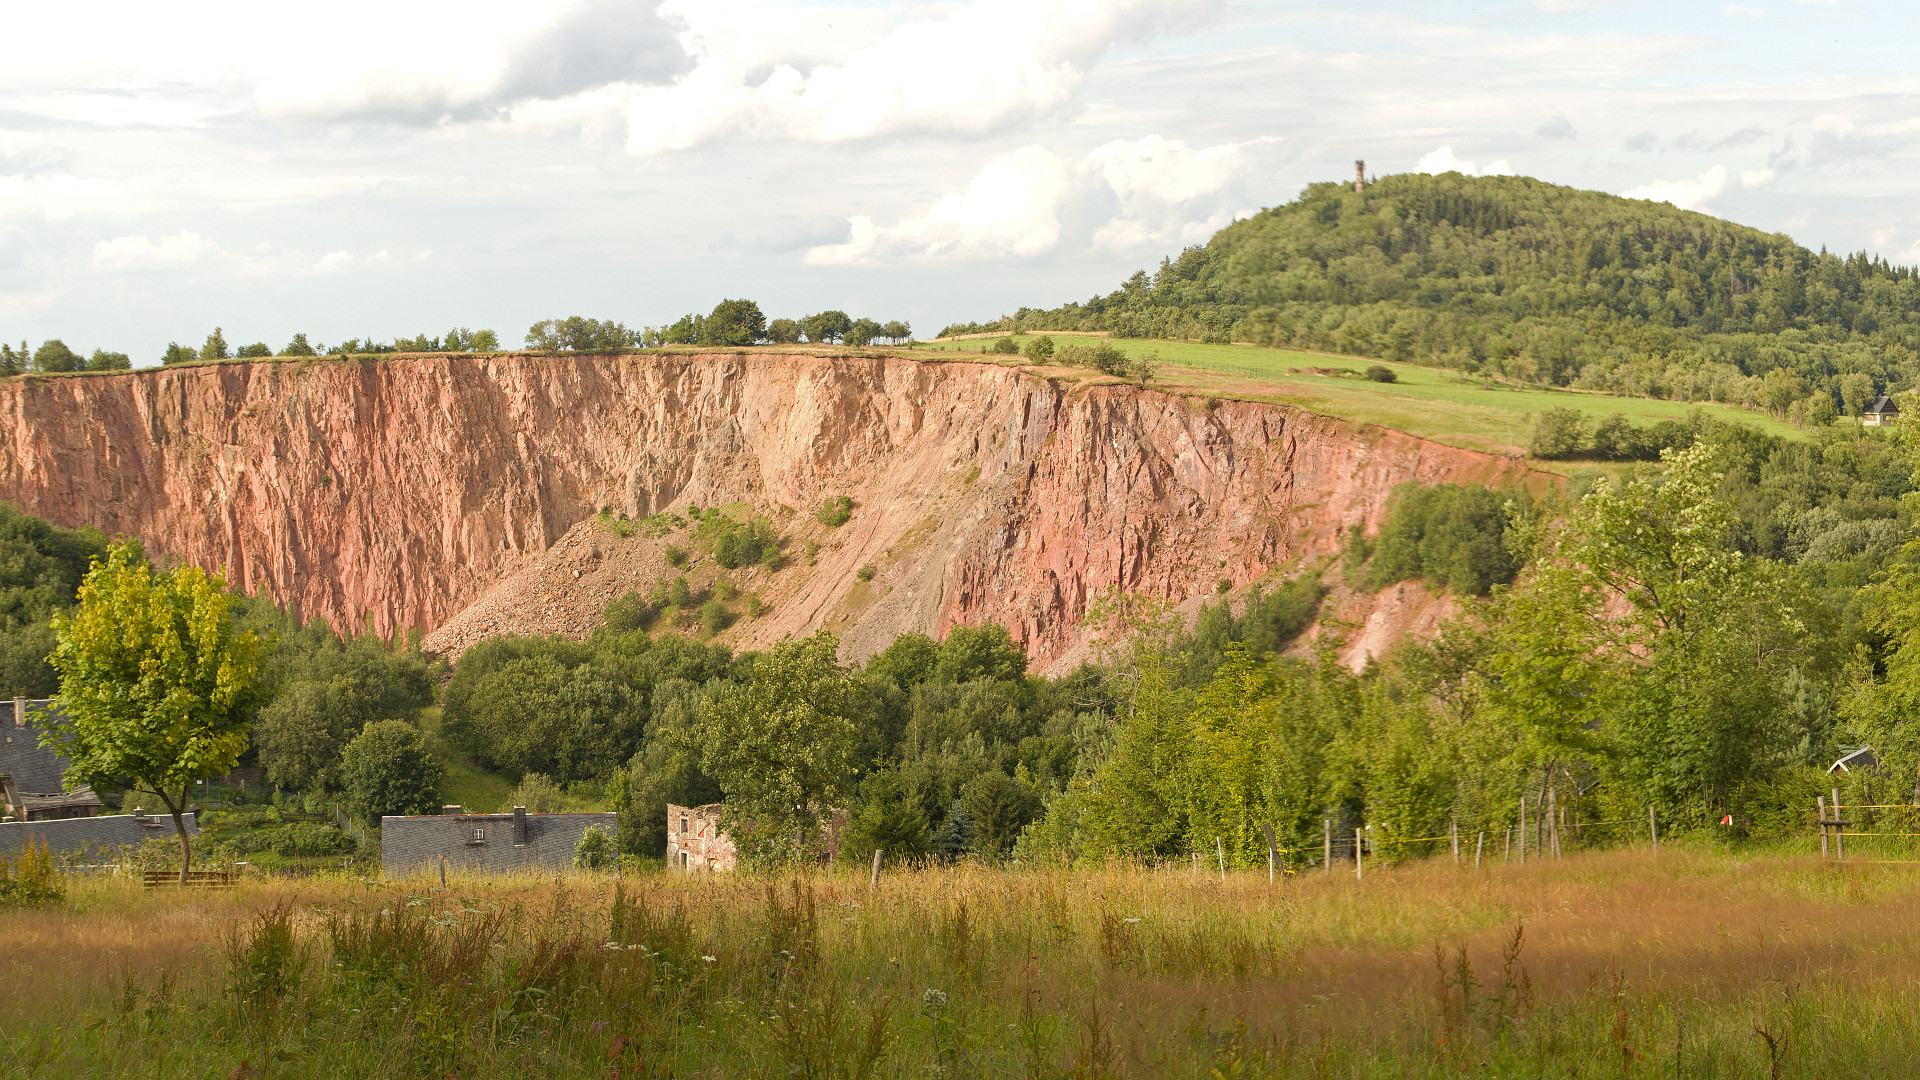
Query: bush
{"x":737,"y":544}
{"x":679,"y":594}
{"x":1107,"y":359}
{"x":538,"y":794}
{"x":1040,"y":350}
{"x":307,"y":840}
{"x":676,"y":556}
{"x":1382,"y":373}
{"x":713,"y":618}
{"x":387,"y":769}
{"x":595,"y":851}
{"x":836,"y":511}
{"x":1004,"y":347}
{"x":29,"y":879}
{"x":630,"y":612}
{"x":865,"y":573}
{"x":1453,"y":535}
{"x":1558,"y":433}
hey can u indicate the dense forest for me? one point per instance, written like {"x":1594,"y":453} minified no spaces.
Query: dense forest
{"x":1698,"y":635}
{"x":1514,"y":278}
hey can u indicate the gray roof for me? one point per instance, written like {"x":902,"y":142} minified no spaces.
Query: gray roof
{"x":32,"y":767}
{"x":1883,"y":404}
{"x":90,"y":833}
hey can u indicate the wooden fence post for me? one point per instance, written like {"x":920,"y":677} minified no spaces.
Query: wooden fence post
{"x":1553,"y":821}
{"x":1839,"y":830}
{"x":1477,"y":845}
{"x":1326,"y":841}
{"x":1271,"y":853}
{"x":1453,"y":835}
{"x":875,"y":883}
{"x":1653,"y":826}
{"x":1221,"y":850}
{"x":1523,"y":830}
{"x":1358,"y":870}
{"x":1820,"y":810}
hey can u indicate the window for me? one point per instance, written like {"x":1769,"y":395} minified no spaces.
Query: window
{"x":479,"y":836}
{"x":683,"y":823}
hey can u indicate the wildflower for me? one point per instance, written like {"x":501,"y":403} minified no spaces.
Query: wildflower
{"x":934,"y":999}
{"x":708,"y":959}
{"x":1133,"y":920}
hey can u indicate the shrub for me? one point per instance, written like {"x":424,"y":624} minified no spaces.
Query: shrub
{"x":538,"y":794}
{"x":1453,"y":535}
{"x":754,"y":606}
{"x":305,"y":839}
{"x":737,"y":544}
{"x":679,"y":594}
{"x":1558,"y":433}
{"x":29,"y":879}
{"x":1040,"y":350}
{"x":835,"y":511}
{"x":865,"y":573}
{"x":713,"y":618}
{"x":676,"y":556}
{"x":630,"y":612}
{"x":1382,"y":373}
{"x":595,"y":851}
{"x":725,"y":589}
{"x":1004,"y":347}
{"x":1107,"y":359}
{"x":387,"y":769}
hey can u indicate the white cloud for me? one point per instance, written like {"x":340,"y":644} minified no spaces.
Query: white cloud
{"x":1010,"y":208}
{"x":1742,"y":11}
{"x":1443,"y":160}
{"x":1756,"y":177}
{"x":333,"y":262}
{"x":1160,"y":187}
{"x":1685,"y":194}
{"x":124,"y":253}
{"x":971,"y":70}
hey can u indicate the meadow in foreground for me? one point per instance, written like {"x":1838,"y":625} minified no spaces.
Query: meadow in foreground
{"x":1611,"y":964}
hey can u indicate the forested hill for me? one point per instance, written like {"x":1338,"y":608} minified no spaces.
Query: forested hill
{"x":1527,"y":280}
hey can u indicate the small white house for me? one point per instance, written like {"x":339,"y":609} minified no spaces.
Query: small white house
{"x":1882,"y":413}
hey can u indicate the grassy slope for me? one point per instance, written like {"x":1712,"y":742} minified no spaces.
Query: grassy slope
{"x":475,"y":787}
{"x":1428,"y":402}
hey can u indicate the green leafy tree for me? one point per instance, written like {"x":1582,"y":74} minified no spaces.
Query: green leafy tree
{"x":889,"y":818}
{"x":1039,"y":349}
{"x":255,"y":351}
{"x":1856,"y":392}
{"x":1558,"y":433}
{"x":863,"y":332}
{"x":157,"y":683}
{"x":54,"y":356}
{"x":734,"y":323}
{"x":781,"y":748}
{"x":102,"y":360}
{"x":14,"y":361}
{"x":596,"y":849}
{"x":215,"y":347}
{"x":298,"y":347}
{"x":897,"y":331}
{"x":177,"y":354}
{"x":826,"y":326}
{"x":783,"y":331}
{"x":387,"y":770}
{"x":999,"y":806}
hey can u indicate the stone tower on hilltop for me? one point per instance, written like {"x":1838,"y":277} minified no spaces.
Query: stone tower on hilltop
{"x":1359,"y":176}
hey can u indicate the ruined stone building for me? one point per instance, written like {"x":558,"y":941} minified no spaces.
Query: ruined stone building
{"x":695,"y":840}
{"x":517,"y":842}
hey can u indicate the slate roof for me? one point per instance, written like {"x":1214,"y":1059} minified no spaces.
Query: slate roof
{"x":1883,"y":406}
{"x":1863,"y":758}
{"x":32,"y":767}
{"x":91,"y":833}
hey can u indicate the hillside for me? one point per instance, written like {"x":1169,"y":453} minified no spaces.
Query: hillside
{"x":1531,"y":281}
{"x":463,"y":495}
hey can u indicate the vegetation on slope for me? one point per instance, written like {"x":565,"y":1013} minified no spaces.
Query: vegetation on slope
{"x":1536,"y":283}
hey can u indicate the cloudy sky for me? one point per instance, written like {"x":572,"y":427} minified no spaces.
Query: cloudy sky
{"x":381,"y":168}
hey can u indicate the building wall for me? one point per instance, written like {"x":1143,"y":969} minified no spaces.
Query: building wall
{"x":90,"y":833}
{"x":694,"y":839}
{"x":413,"y":846}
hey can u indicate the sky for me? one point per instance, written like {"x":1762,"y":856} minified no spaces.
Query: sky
{"x":378,"y":169}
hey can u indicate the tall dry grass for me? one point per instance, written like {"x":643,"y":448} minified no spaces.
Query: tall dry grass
{"x":1609,"y":964}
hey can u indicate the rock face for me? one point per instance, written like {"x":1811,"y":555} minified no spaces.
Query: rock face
{"x":399,"y":491}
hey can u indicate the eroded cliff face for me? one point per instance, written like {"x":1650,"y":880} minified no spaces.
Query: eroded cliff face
{"x":403,"y":490}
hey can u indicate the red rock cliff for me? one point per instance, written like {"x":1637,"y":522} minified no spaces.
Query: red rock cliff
{"x":400,"y":490}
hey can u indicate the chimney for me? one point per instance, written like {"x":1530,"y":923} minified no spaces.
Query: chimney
{"x":1359,"y":176}
{"x":19,"y":712}
{"x":452,"y":810}
{"x":519,"y":825}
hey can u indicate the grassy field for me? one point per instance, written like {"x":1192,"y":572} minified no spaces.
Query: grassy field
{"x":1429,"y":402}
{"x":1688,"y":963}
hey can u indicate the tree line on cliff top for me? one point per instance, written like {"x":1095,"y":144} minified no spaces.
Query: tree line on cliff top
{"x":1512,"y":278}
{"x":731,"y":324}
{"x":1698,"y":635}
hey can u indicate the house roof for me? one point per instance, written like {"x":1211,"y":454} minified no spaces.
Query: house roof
{"x":1863,"y":758}
{"x":32,"y":766}
{"x":1883,"y":404}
